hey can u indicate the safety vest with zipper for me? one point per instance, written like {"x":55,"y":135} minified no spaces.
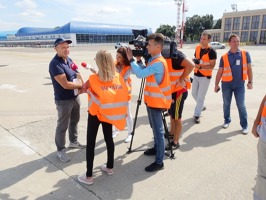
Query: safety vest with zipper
{"x":158,"y":95}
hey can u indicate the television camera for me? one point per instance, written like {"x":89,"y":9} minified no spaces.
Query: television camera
{"x":140,"y":43}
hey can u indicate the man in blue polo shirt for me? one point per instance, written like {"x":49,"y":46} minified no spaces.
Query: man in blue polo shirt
{"x":66,"y":82}
{"x":234,"y":70}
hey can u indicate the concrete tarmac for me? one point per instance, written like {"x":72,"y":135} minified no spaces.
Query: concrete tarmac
{"x":212,"y":163}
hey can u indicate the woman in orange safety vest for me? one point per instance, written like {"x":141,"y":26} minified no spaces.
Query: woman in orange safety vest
{"x":123,"y":67}
{"x":107,"y":105}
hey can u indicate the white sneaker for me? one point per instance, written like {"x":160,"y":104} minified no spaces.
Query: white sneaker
{"x":63,"y":156}
{"x":244,"y":131}
{"x":115,"y":133}
{"x":128,"y":139}
{"x":225,"y":125}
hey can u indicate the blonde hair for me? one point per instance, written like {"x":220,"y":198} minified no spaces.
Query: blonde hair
{"x":105,"y":63}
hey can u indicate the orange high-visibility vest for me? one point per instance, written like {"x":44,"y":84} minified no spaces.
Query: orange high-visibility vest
{"x":204,"y":60}
{"x":227,"y":73}
{"x":128,"y":81}
{"x":108,"y":100}
{"x":263,"y":115}
{"x":175,"y":76}
{"x":158,"y":96}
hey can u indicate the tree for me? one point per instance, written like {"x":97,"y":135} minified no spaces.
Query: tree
{"x":167,"y":30}
{"x":196,"y":24}
{"x":218,"y":24}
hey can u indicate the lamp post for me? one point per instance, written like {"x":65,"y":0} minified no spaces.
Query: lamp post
{"x":178,"y":26}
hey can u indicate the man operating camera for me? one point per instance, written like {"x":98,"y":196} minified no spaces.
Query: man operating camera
{"x":157,"y":94}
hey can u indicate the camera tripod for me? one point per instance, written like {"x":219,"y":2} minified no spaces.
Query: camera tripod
{"x":171,"y":154}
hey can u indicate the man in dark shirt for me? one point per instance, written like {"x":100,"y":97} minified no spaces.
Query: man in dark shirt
{"x":66,"y":82}
{"x":179,"y":69}
{"x":205,"y":60}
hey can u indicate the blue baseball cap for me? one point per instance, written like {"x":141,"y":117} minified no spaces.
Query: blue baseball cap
{"x":61,"y":40}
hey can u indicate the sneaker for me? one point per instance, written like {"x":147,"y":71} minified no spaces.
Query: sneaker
{"x":154,"y":167}
{"x":196,"y":119}
{"x":76,"y":145}
{"x":166,"y":135}
{"x":63,"y":156}
{"x":225,"y":125}
{"x":107,"y":170}
{"x":244,"y":131}
{"x":85,"y":180}
{"x":204,"y":108}
{"x":174,"y":146}
{"x":150,"y":152}
{"x":115,"y":133}
{"x":128,"y":139}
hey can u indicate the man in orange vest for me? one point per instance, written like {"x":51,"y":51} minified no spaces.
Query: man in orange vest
{"x":234,"y":69}
{"x":205,"y":60}
{"x":179,"y":69}
{"x":157,"y":94}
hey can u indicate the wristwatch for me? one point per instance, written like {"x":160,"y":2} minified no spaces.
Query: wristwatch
{"x":250,"y":82}
{"x":131,"y":60}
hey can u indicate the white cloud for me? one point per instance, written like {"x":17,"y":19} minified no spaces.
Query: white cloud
{"x":28,"y":4}
{"x":2,"y":6}
{"x":107,"y":10}
{"x":32,"y":13}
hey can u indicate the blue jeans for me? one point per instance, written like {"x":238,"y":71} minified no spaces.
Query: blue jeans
{"x":156,"y":122}
{"x":239,"y":92}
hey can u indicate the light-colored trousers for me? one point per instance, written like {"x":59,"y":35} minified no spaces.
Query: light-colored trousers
{"x":260,"y":187}
{"x":200,"y":87}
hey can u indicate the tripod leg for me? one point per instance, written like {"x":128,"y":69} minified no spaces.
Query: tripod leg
{"x":171,"y":155}
{"x":136,"y":114}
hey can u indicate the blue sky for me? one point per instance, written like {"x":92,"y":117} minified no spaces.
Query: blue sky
{"x":15,"y":14}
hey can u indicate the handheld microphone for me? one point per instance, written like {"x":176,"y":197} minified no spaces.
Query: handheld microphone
{"x":74,"y":67}
{"x":88,"y":66}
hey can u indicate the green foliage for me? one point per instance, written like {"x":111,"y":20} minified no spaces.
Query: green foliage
{"x":167,"y":30}
{"x":218,"y":24}
{"x":196,"y":24}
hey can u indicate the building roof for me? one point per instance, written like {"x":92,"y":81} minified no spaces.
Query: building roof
{"x":82,"y":28}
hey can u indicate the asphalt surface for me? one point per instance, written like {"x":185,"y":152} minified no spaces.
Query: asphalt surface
{"x":212,"y":163}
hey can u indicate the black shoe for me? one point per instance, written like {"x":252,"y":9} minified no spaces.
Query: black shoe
{"x":204,"y":108}
{"x":150,"y":152}
{"x":174,"y":146}
{"x":154,"y":167}
{"x":196,"y":119}
{"x":166,"y":135}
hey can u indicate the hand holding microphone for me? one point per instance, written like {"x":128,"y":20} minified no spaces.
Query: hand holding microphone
{"x":74,"y":67}
{"x":88,"y":66}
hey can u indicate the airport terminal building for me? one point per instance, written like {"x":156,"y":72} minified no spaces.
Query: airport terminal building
{"x":81,"y":34}
{"x":249,"y":25}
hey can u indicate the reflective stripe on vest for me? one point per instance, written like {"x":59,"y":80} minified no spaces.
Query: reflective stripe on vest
{"x":108,"y":100}
{"x":227,"y":72}
{"x":204,"y":60}
{"x":175,"y":76}
{"x":158,"y":96}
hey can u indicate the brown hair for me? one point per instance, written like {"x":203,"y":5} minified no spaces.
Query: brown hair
{"x":122,"y":51}
{"x":206,"y":33}
{"x":157,"y":37}
{"x":105,"y":63}
{"x":232,"y":35}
